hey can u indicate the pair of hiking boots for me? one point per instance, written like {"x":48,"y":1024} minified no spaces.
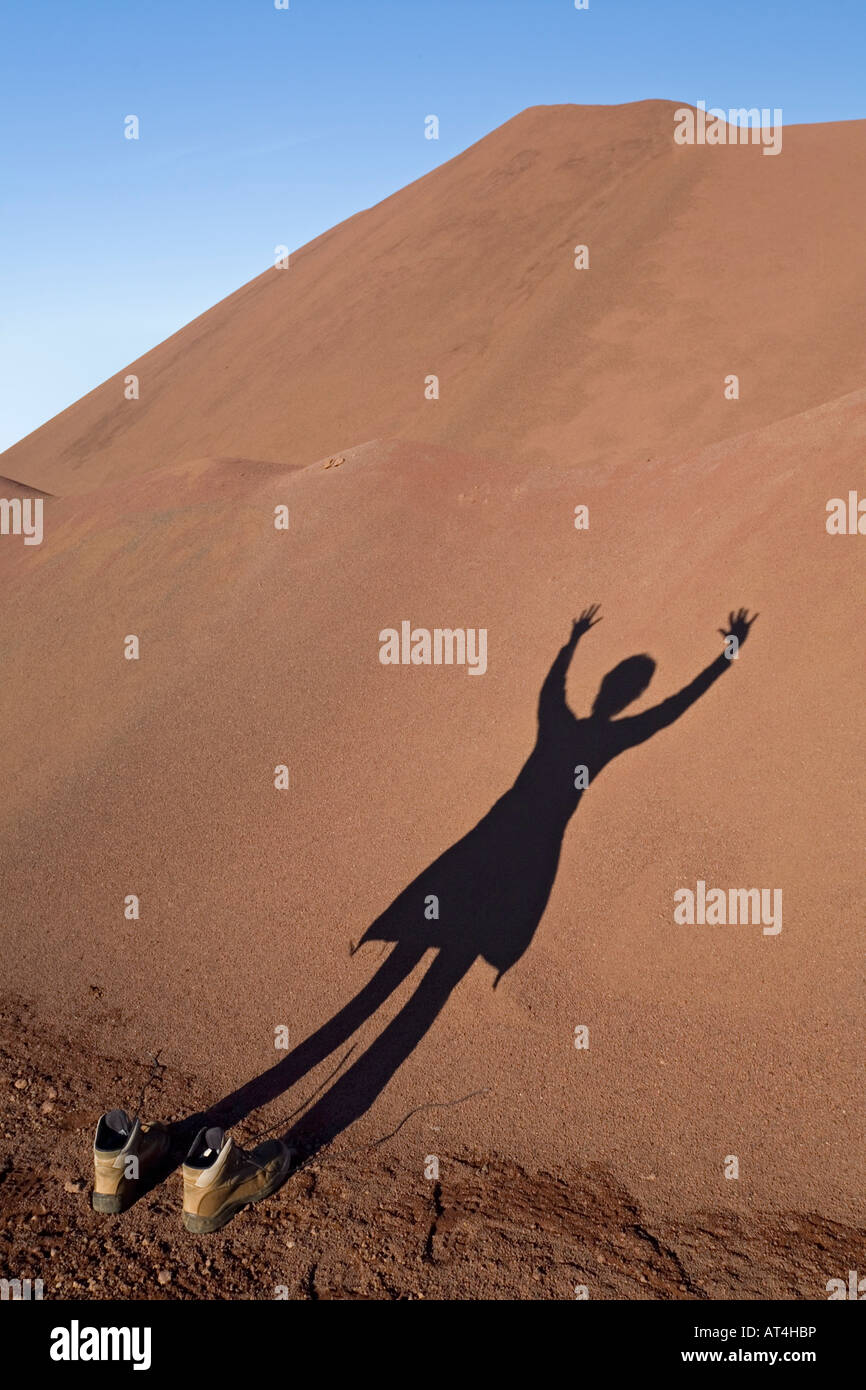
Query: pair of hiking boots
{"x":219,"y":1177}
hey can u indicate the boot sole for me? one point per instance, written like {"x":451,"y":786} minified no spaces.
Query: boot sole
{"x":206,"y":1225}
{"x":109,"y":1204}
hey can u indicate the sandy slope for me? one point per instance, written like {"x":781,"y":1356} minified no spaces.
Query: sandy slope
{"x":260,"y":647}
{"x":704,"y":261}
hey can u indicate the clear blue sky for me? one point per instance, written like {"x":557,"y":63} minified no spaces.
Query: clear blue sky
{"x":262,"y":126}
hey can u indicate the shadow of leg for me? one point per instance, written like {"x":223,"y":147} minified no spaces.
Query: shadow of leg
{"x":356,"y":1090}
{"x":319,"y":1045}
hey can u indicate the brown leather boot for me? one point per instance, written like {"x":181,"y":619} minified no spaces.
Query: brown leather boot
{"x":127,"y":1159}
{"x":219,"y":1178}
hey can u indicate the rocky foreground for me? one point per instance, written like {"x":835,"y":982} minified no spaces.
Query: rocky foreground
{"x":353,"y":1223}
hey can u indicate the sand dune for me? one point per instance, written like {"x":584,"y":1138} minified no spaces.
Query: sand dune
{"x":704,"y":261}
{"x":259,"y":647}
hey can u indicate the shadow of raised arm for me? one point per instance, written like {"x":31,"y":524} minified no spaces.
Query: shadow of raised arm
{"x":551,"y":699}
{"x":637,"y":728}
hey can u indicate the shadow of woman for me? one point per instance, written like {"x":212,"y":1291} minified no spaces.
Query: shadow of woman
{"x":483,"y":897}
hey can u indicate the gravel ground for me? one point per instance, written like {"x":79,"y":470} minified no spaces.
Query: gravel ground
{"x":351,"y":1223}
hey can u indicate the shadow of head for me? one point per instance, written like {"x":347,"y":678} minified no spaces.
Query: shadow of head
{"x":623,"y":684}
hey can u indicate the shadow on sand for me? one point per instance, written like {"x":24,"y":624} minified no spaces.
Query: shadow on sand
{"x":492,"y":887}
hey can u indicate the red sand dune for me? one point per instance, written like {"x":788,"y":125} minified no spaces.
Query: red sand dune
{"x":260,"y":647}
{"x":703,"y":261}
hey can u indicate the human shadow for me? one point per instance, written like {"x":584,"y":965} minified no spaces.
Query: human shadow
{"x":483,"y":898}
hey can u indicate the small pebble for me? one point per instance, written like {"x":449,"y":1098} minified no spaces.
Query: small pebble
{"x":75,"y":1185}
{"x":164,"y":1276}
{"x":20,"y":1084}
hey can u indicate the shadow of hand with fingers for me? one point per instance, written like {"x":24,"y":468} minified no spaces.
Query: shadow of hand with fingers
{"x":482,"y":898}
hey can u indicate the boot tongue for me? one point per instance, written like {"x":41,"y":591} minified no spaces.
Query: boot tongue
{"x":216,"y":1149}
{"x":119,"y":1121}
{"x":213,"y":1141}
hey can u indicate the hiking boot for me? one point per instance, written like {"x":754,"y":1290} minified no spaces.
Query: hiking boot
{"x":127,"y":1158}
{"x":219,"y":1178}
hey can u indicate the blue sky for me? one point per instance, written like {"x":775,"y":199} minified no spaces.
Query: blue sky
{"x":261,"y":127}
